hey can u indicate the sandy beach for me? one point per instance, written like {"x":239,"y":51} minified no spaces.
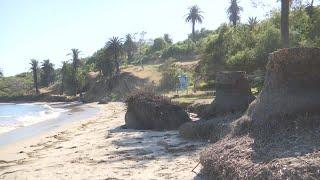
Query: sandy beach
{"x":98,"y":148}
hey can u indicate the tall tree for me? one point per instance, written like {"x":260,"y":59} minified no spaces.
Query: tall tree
{"x":284,"y":25}
{"x":167,"y":38}
{"x":34,"y":67}
{"x":130,"y":47}
{"x":193,"y":17}
{"x":115,"y":48}
{"x":47,"y":73}
{"x":1,"y":73}
{"x":234,"y":12}
{"x":63,"y":76}
{"x":252,"y":22}
{"x":75,"y":64}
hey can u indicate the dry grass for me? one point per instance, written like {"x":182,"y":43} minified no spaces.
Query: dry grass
{"x":148,"y":72}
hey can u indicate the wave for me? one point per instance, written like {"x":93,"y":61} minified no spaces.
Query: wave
{"x":6,"y":116}
{"x":45,"y":113}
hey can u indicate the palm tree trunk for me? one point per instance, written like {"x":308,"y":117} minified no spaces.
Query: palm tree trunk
{"x":74,"y":82}
{"x":62,"y":85}
{"x":193,"y":33}
{"x":117,"y":64}
{"x":285,"y":23}
{"x":35,"y":79}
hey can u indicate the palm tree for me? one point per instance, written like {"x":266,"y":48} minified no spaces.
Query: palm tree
{"x":129,"y":46}
{"x":63,"y":76}
{"x":47,"y":72}
{"x":114,"y":45}
{"x":75,"y":64}
{"x":34,"y":67}
{"x":284,"y":25}
{"x":194,"y":16}
{"x":252,"y":21}
{"x":234,"y":12}
{"x":167,"y":38}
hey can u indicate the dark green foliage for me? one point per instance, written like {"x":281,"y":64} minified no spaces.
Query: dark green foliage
{"x":169,"y":79}
{"x":234,"y":12}
{"x":130,"y":47}
{"x":158,"y":44}
{"x":256,"y":79}
{"x":106,"y":66}
{"x":1,"y":73}
{"x":19,"y":85}
{"x":241,"y":48}
{"x":35,"y":67}
{"x":198,"y":35}
{"x":115,"y":49}
{"x":103,"y":62}
{"x":252,"y":22}
{"x":180,"y":50}
{"x":47,"y":73}
{"x":63,"y":76}
{"x":167,"y":38}
{"x":75,"y":64}
{"x":194,"y":16}
{"x":68,"y":77}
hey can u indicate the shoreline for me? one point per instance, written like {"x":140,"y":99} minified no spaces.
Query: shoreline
{"x":98,"y":148}
{"x":68,"y":112}
{"x":47,"y":98}
{"x":76,"y":110}
{"x":10,"y":150}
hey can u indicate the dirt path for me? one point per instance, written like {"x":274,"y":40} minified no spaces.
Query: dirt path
{"x":100,"y":149}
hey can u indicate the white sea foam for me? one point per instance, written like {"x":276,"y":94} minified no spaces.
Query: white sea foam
{"x":47,"y":113}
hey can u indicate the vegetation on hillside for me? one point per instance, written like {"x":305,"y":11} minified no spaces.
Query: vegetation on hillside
{"x":240,"y":45}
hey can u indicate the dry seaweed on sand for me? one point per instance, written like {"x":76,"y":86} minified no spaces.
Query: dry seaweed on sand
{"x":212,"y":130}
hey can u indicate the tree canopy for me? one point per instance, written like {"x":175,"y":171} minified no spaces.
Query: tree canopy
{"x":194,"y":16}
{"x":234,"y":12}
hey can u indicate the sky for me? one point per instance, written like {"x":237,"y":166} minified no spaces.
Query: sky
{"x":48,"y":29}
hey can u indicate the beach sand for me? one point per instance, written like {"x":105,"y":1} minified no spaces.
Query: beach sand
{"x":98,"y":148}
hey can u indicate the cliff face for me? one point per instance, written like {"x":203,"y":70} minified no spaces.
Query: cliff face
{"x":279,"y":135}
{"x":233,"y":94}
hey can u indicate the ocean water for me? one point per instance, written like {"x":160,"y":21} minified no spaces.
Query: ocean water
{"x":13,"y":116}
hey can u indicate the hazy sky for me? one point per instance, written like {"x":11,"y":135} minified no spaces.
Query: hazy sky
{"x":48,"y":29}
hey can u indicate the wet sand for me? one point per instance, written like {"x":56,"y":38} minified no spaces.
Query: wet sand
{"x":74,"y":112}
{"x":98,"y":148}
